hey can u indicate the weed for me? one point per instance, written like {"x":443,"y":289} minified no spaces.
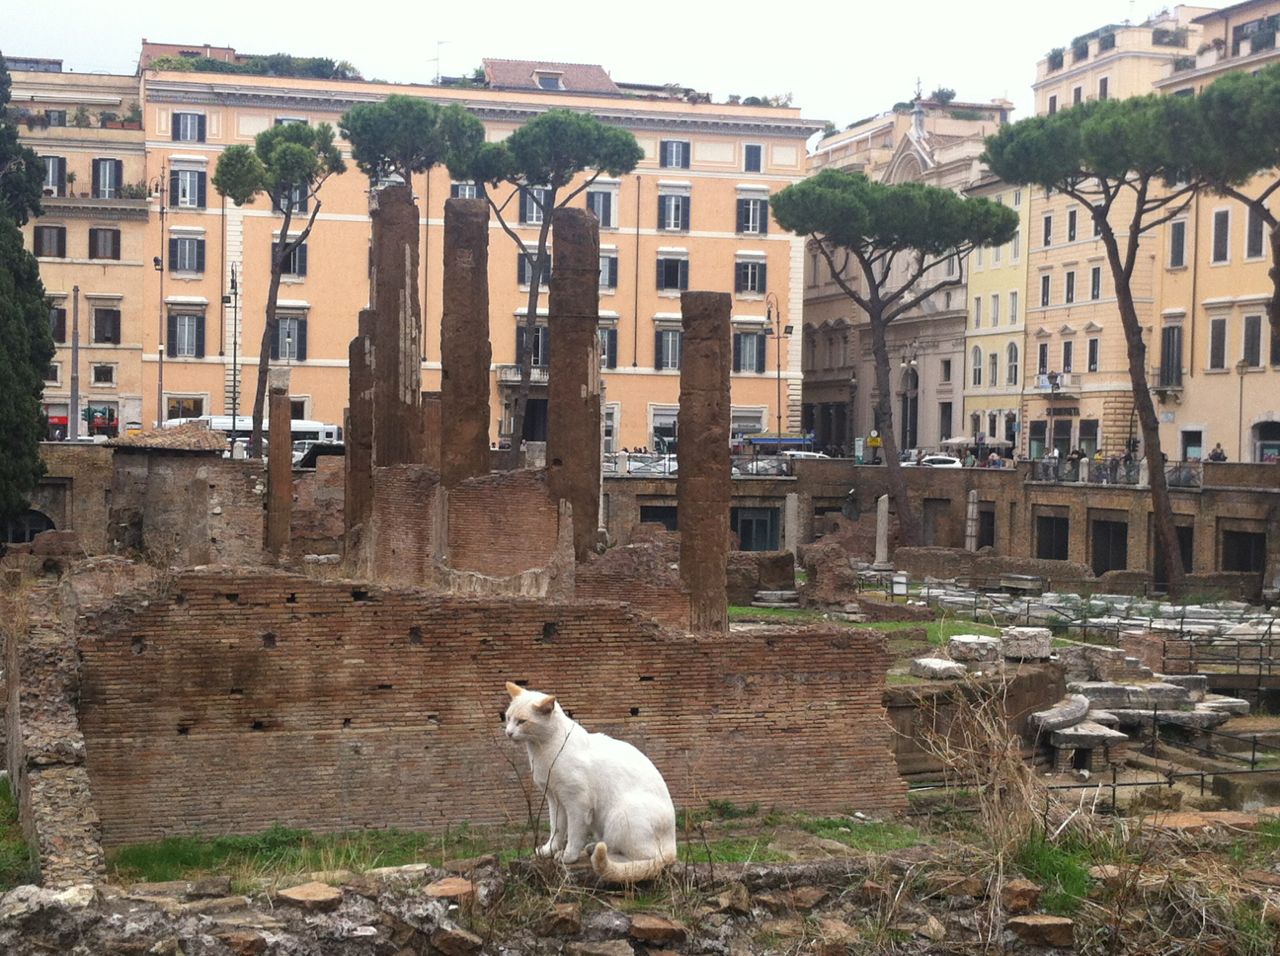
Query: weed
{"x":16,"y":862}
{"x":1062,"y":869}
{"x":728,"y":810}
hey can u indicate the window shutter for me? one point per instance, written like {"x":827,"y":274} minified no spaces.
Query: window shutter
{"x":742,"y":215}
{"x":762,"y":340}
{"x":521,"y":261}
{"x":275,"y":343}
{"x":119,"y":176}
{"x":662,"y":152}
{"x":199,"y":255}
{"x":739,"y":276}
{"x":657,"y":349}
{"x":764,"y":217}
{"x":684,"y":274}
{"x":60,"y":174}
{"x":62,"y":242}
{"x":173,"y":254}
{"x":737,"y":351}
{"x":173,"y":187}
{"x":613,"y":272}
{"x":115,"y":243}
{"x":200,"y":190}
{"x":612,"y":342}
{"x":546,"y":345}
{"x":519,"y":341}
{"x":303,"y":199}
{"x":200,"y":128}
{"x":662,"y":211}
{"x":301,"y":259}
{"x":200,"y":336}
{"x":685,"y":150}
{"x":660,"y":271}
{"x":58,"y":324}
{"x":115,"y":326}
{"x":524,"y":205}
{"x":171,"y":342}
{"x":684,"y":212}
{"x":764,"y":278}
{"x":97,"y":178}
{"x":302,"y":340}
{"x":606,"y":207}
{"x":175,"y":124}
{"x":679,"y":349}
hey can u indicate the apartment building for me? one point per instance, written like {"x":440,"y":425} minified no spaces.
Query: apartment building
{"x":1077,"y":391}
{"x":995,"y":337}
{"x":937,"y":143}
{"x":91,"y":241}
{"x":693,"y":215}
{"x":1218,"y":361}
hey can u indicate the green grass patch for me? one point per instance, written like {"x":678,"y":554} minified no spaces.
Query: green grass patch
{"x":16,"y":863}
{"x":741,"y":849}
{"x":772,"y":614}
{"x":1061,"y":869}
{"x":875,"y":837}
{"x":937,"y":631}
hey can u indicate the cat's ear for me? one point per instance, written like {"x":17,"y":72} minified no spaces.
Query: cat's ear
{"x":515,"y":690}
{"x":546,"y":706}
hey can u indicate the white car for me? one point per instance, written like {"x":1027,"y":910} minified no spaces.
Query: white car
{"x":937,"y":461}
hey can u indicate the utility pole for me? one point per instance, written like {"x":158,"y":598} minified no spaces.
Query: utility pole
{"x":73,"y":406}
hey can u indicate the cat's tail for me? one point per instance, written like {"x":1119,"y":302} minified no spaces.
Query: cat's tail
{"x":627,"y":871}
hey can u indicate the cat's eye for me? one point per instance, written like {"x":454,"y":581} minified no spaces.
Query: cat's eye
{"x":519,"y":720}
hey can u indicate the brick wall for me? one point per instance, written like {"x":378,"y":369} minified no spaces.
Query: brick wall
{"x":317,"y":526}
{"x":75,"y":491}
{"x":230,"y":702}
{"x":642,"y":576}
{"x":402,"y":534}
{"x":503,"y":523}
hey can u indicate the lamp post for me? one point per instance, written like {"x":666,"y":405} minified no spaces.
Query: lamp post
{"x":1242,"y":369}
{"x":911,"y":394}
{"x":158,"y":187}
{"x":773,"y":318}
{"x":851,"y":423}
{"x":233,"y":299}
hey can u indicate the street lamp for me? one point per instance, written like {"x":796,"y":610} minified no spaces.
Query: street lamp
{"x":158,"y":188}
{"x":910,"y":392}
{"x":1242,"y":369}
{"x":773,"y":318}
{"x":850,"y":424}
{"x":233,"y":299}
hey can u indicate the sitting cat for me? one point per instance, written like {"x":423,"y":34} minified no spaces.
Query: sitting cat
{"x":598,"y":790}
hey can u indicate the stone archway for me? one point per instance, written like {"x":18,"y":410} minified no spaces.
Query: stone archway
{"x":24,"y":527}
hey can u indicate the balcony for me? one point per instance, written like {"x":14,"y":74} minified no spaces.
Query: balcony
{"x":87,"y":206}
{"x":510,"y":375}
{"x":1058,"y":383}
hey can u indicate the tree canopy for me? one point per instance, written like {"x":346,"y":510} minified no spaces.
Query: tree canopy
{"x":402,"y":135}
{"x":292,"y":155}
{"x":26,"y":344}
{"x":1241,"y":136}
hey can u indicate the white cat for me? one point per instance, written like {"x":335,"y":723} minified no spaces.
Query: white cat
{"x":598,"y":790}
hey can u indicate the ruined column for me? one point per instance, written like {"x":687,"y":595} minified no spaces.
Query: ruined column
{"x":882,"y":535}
{"x":704,"y":482}
{"x":971,"y":522}
{"x":573,"y":393}
{"x":465,"y":352}
{"x":358,"y":434}
{"x":279,"y":463}
{"x":431,"y":430}
{"x":397,"y":350}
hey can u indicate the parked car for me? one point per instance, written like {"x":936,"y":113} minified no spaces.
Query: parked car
{"x":935,"y":461}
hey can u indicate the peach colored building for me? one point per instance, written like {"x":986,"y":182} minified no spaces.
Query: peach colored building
{"x":93,"y":236}
{"x":714,"y":164}
{"x":1076,"y":391}
{"x":1218,"y":377}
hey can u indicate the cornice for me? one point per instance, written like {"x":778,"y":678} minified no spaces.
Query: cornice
{"x":78,"y":207}
{"x":331,"y":101}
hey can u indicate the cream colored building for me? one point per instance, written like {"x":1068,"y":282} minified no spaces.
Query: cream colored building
{"x":91,"y":237}
{"x":1218,"y":371}
{"x":1077,"y":391}
{"x":995,"y":337}
{"x":929,"y":142}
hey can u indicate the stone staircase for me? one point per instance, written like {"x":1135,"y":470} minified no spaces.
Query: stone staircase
{"x":783,"y":600}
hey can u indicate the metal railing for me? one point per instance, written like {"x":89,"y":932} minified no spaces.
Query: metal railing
{"x":1258,"y":656}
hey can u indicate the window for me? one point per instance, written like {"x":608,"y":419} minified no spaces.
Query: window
{"x":102,"y":374}
{"x":1011,"y":364}
{"x":1071,"y":226}
{"x":465,"y":190}
{"x":108,"y":177}
{"x":609,"y":270}
{"x":667,"y":348}
{"x":290,"y":121}
{"x":748,"y":351}
{"x":56,"y":117}
{"x":996,"y":253}
{"x":1097,"y":226}
{"x":188,"y":127}
{"x":524,"y":270}
{"x":977,"y":311}
{"x":673,"y":154}
{"x":1067,"y":349}
{"x":1013,"y":308}
{"x":52,"y":373}
{"x":186,"y":254}
{"x":1222,"y":235}
{"x":293,"y":199}
{"x":600,"y":202}
{"x":946,"y":371}
{"x":549,"y":81}
{"x":608,"y":347}
{"x":944,"y":421}
{"x":993,"y":368}
{"x":51,"y":242}
{"x":1253,"y":244}
{"x":187,"y":188}
{"x":1095,"y":282}
{"x":1088,"y":436}
{"x":298,"y":408}
{"x":1104,"y":87}
{"x":1093,"y":348}
{"x":673,"y":274}
{"x":673,"y":213}
{"x":1048,"y":230}
{"x":752,"y":158}
{"x":186,"y":335}
{"x":533,"y":199}
{"x":55,"y":175}
{"x":104,"y":243}
{"x":951,"y":266}
{"x":975,"y":366}
{"x":1042,"y":358}
{"x":1177,"y":244}
{"x":295,"y":261}
{"x":995,"y":309}
{"x":1044,"y":290}
{"x":1077,"y":95}
{"x":106,"y":326}
{"x":753,"y":216}
{"x":1069,"y":293}
{"x":1053,"y":105}
{"x":290,"y":343}
{"x":1171,"y":356}
{"x":58,"y":324}
{"x":979,"y":257}
{"x":183,"y":406}
{"x":1253,"y":341}
{"x":750,"y":277}
{"x":541,"y":350}
{"x":1217,"y":343}
{"x":1017,"y":198}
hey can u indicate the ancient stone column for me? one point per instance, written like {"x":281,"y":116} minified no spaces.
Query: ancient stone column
{"x":358,"y":436}
{"x":279,"y":463}
{"x":971,"y":522}
{"x":464,"y":342}
{"x":573,"y":392}
{"x":432,"y":425}
{"x":397,"y":350}
{"x":704,"y":482}
{"x":882,"y":535}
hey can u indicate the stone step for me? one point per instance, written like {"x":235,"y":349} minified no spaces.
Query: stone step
{"x":778,"y":605}
{"x":775,"y":596}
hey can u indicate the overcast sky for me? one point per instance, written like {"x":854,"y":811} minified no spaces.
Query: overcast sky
{"x":838,"y":66}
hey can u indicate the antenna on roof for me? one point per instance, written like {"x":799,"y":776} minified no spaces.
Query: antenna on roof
{"x":436,"y":60}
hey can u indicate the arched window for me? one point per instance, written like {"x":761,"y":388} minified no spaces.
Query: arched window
{"x":975,"y":362}
{"x":24,"y":527}
{"x":1011,"y":373}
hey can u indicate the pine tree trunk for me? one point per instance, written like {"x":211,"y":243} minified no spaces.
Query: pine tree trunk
{"x":268,"y":335}
{"x":520,"y":407}
{"x":908,"y":525}
{"x":1273,"y":306}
